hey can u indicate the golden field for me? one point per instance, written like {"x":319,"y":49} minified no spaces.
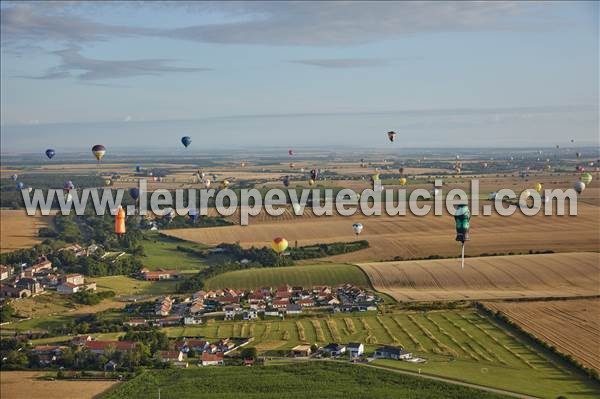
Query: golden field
{"x":496,"y":277}
{"x":17,"y":230}
{"x":573,"y":326}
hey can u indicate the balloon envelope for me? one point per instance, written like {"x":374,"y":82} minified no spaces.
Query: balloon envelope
{"x":50,"y":153}
{"x":586,"y":178}
{"x":579,"y":186}
{"x":391,"y":136}
{"x":20,"y":185}
{"x":134,"y":192}
{"x":186,"y":141}
{"x":120,"y":221}
{"x":99,"y":150}
{"x":357,"y":227}
{"x":279,"y":244}
{"x":538,"y":187}
{"x":402,"y":181}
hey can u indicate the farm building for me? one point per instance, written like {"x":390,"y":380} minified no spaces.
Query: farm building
{"x":355,"y":349}
{"x":390,"y":352}
{"x":208,"y":359}
{"x":301,"y":351}
{"x":334,"y":349}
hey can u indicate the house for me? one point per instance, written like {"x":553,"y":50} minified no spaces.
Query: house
{"x":75,"y":278}
{"x":171,"y":356}
{"x":231,"y":311}
{"x":192,"y":320}
{"x":302,"y":350}
{"x":135,"y":322}
{"x":208,"y":359}
{"x":5,"y":272}
{"x":334,"y":349}
{"x":169,"y":321}
{"x":306,"y":303}
{"x":68,"y":288}
{"x":390,"y":352}
{"x":250,"y":314}
{"x":200,"y":295}
{"x":76,"y":249}
{"x":42,"y":263}
{"x":100,"y":347}
{"x":195,"y":345}
{"x":163,"y":306}
{"x":272,"y":312}
{"x":11,"y":291}
{"x":159,"y":274}
{"x":280,"y":303}
{"x":80,"y":340}
{"x":293,"y":309}
{"x":355,"y":349}
{"x":72,"y":283}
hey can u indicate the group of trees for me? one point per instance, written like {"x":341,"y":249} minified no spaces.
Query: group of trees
{"x":88,"y":297}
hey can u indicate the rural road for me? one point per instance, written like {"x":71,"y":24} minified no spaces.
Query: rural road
{"x":455,"y":382}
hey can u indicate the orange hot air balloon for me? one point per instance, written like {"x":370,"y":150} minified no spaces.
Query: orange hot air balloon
{"x":279,"y":245}
{"x":120,"y":221}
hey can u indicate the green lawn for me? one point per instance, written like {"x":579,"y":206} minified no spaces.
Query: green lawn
{"x":458,"y":344}
{"x":303,"y":275}
{"x":124,"y":285}
{"x":308,"y":379}
{"x":162,"y":253}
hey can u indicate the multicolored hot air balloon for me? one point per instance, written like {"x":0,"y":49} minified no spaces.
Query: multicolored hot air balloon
{"x":391,"y":136}
{"x":99,"y":150}
{"x":314,"y":174}
{"x":186,"y":141}
{"x":68,"y":186}
{"x":357,"y":228}
{"x":120,"y":221}
{"x":50,"y":153}
{"x":14,"y":177}
{"x":462,"y":218}
{"x":279,"y":245}
{"x":20,"y":185}
{"x":586,"y":178}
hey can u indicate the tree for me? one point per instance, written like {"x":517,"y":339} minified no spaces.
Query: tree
{"x":249,"y":353}
{"x":16,"y":359}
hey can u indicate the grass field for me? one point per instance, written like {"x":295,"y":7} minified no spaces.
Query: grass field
{"x":548,"y":275}
{"x":572,"y":326}
{"x":412,"y":236}
{"x":123,"y":285}
{"x":309,"y":379}
{"x":303,"y":275}
{"x":162,"y":253}
{"x":26,"y":384}
{"x":458,"y":344}
{"x":17,"y":230}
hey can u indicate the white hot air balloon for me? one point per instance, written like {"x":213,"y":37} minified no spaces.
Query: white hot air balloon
{"x":357,"y":227}
{"x":579,"y":186}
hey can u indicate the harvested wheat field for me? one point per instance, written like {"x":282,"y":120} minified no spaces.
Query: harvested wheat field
{"x":572,"y":326}
{"x":18,"y":230}
{"x":25,"y":384}
{"x":497,"y":277}
{"x":410,"y":237}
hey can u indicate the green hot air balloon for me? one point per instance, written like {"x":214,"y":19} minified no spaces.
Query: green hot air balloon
{"x":586,"y":178}
{"x":462,"y":218}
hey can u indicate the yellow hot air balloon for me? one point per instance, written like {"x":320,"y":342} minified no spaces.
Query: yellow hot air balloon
{"x":375,"y":176}
{"x":586,"y":178}
{"x":311,"y":182}
{"x":279,"y":245}
{"x":107,"y":182}
{"x":99,"y":150}
{"x":225,"y":184}
{"x":538,"y":187}
{"x":402,"y":181}
{"x":120,"y":221}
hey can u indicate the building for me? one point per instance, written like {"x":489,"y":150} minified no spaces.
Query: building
{"x":30,"y":284}
{"x":390,"y":352}
{"x":136,"y":322}
{"x":5,"y":272}
{"x":75,"y":278}
{"x":334,"y":349}
{"x":11,"y":291}
{"x":293,"y":309}
{"x":159,"y":274}
{"x":250,"y":314}
{"x":192,"y":320}
{"x":171,"y":356}
{"x":208,"y":359}
{"x":70,"y":288}
{"x":355,"y":349}
{"x":301,"y":351}
{"x":42,"y":263}
{"x":100,"y":347}
{"x":163,"y":306}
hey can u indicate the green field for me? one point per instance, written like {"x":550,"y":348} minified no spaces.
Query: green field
{"x":314,"y":380}
{"x":162,"y":253}
{"x":123,"y":285}
{"x":302,"y":275}
{"x":458,"y":344}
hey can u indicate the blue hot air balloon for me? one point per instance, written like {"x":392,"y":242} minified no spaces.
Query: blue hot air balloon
{"x":14,"y":177}
{"x":20,"y":185}
{"x":186,"y":141}
{"x":134,"y":192}
{"x":50,"y":153}
{"x":138,"y":168}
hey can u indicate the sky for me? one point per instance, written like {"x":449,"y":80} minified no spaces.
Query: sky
{"x":260,"y":74}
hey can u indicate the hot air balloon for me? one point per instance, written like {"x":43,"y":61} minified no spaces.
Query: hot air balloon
{"x":134,"y":192}
{"x":538,"y":187}
{"x":279,"y":245}
{"x":207,"y":183}
{"x":391,"y":136}
{"x":462,"y":219}
{"x":578,"y":154}
{"x":138,"y":169}
{"x":290,"y":152}
{"x":120,"y":221}
{"x":225,"y":184}
{"x":186,"y":141}
{"x":193,"y":214}
{"x":401,"y":170}
{"x":243,"y":164}
{"x":20,"y":185}
{"x":572,"y":140}
{"x":107,"y":182}
{"x":29,"y":189}
{"x":402,"y":181}
{"x":99,"y":150}
{"x":375,"y":177}
{"x":286,"y":181}
{"x":68,"y":186}
{"x":50,"y":153}
{"x":586,"y":178}
{"x":314,"y":174}
{"x":357,"y":228}
{"x":292,"y":165}
{"x":311,"y":182}
{"x":14,"y":177}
